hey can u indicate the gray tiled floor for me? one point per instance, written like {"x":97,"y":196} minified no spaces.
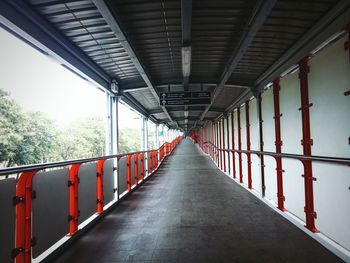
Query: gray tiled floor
{"x":190,"y":212}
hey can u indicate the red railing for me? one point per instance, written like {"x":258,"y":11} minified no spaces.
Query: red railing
{"x":22,"y":253}
{"x":209,"y":147}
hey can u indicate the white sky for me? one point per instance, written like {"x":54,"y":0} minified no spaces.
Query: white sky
{"x":39,"y":83}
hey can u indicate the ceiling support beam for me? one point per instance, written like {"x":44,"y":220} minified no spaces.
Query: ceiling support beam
{"x":111,"y":20}
{"x":255,"y":22}
{"x":335,"y":20}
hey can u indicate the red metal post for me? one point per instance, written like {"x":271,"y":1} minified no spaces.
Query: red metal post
{"x":307,"y":142}
{"x":233,"y":145}
{"x":220,"y":146}
{"x":239,"y":144}
{"x":223,"y":143}
{"x":23,"y":201}
{"x":278,"y":144}
{"x":128,"y":172}
{"x":217,"y":144}
{"x":100,"y":197}
{"x":249,"y":161}
{"x":136,"y":169}
{"x":142,"y":166}
{"x":73,"y":184}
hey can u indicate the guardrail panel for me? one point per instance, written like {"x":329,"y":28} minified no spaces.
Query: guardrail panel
{"x":122,"y":169}
{"x":87,"y":194}
{"x":50,"y":208}
{"x":7,"y":219}
{"x":108,"y":181}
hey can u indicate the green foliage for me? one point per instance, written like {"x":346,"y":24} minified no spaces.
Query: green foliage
{"x":83,"y":139}
{"x":129,"y":140}
{"x":28,"y":138}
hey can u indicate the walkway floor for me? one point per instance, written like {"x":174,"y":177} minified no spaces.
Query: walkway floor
{"x":191,"y":212}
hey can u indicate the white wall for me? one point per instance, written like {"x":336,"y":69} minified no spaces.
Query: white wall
{"x":291,"y":135}
{"x":254,"y":144}
{"x":329,"y":78}
{"x":269,"y":145}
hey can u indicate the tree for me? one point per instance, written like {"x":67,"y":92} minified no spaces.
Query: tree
{"x":129,"y":140}
{"x":83,"y":138}
{"x":25,"y":138}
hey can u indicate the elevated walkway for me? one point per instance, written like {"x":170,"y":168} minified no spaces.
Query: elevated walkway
{"x":189,"y":211}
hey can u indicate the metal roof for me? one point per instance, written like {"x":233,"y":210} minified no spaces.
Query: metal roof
{"x":236,"y":45}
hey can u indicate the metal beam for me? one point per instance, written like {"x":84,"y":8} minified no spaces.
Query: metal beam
{"x":255,"y":22}
{"x":336,"y":19}
{"x":111,"y":20}
{"x":40,"y":34}
{"x":194,"y":108}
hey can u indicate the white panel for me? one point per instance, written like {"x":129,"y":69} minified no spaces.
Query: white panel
{"x":50,"y":208}
{"x":291,"y":134}
{"x":254,"y":144}
{"x":269,"y":145}
{"x":122,"y":176}
{"x":329,"y":78}
{"x":7,"y":218}
{"x":244,"y":145}
{"x":108,"y":181}
{"x":87,"y":194}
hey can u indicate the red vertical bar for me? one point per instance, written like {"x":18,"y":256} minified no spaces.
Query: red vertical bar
{"x":239,"y":144}
{"x":278,"y":144}
{"x":217,"y":144}
{"x":307,"y":143}
{"x":249,"y":161}
{"x":142,"y":166}
{"x":136,"y":169}
{"x":73,"y":182}
{"x":150,"y":154}
{"x":24,"y":217}
{"x":223,"y":143}
{"x":100,"y":197}
{"x":128,"y":172}
{"x":220,"y":145}
{"x":233,"y":146}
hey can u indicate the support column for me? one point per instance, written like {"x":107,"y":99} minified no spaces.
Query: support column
{"x":239,"y":145}
{"x":261,"y":144}
{"x":278,"y":144}
{"x":307,"y":142}
{"x":249,"y":161}
{"x":233,"y":145}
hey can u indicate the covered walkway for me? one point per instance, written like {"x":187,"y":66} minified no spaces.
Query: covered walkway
{"x":189,"y":211}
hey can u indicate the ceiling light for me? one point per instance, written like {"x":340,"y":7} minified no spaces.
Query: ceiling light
{"x":186,"y":61}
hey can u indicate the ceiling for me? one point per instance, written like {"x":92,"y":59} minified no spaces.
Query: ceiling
{"x":237,"y":45}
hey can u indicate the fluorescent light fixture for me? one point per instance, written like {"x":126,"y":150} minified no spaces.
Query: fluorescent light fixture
{"x":186,"y":121}
{"x":186,"y":53}
{"x":186,"y":113}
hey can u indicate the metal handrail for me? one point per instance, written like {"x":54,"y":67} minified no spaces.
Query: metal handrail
{"x":42,"y":166}
{"x":337,"y":160}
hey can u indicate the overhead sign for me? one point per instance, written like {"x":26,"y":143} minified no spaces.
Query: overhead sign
{"x":184,"y":98}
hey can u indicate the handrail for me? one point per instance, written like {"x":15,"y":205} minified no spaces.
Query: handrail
{"x":22,"y":200}
{"x":338,"y":160}
{"x":42,"y":166}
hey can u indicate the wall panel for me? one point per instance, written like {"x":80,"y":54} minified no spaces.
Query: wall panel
{"x":269,"y":145}
{"x":7,"y":218}
{"x":291,"y":135}
{"x":254,"y":144}
{"x":329,"y":79}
